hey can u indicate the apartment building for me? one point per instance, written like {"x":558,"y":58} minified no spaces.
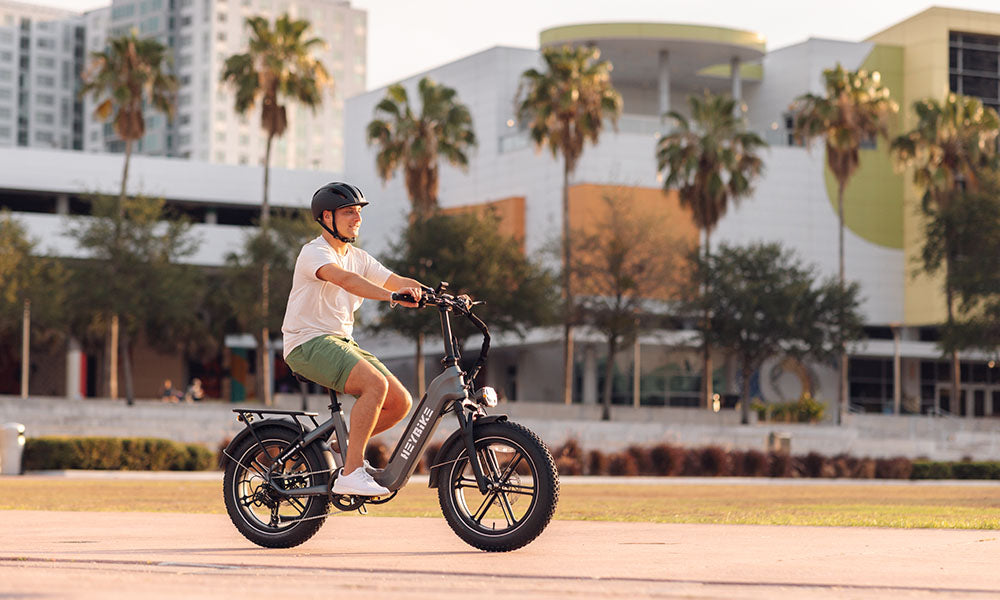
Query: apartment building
{"x":43,"y":53}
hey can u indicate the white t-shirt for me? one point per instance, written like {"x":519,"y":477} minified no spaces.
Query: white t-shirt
{"x":317,"y":307}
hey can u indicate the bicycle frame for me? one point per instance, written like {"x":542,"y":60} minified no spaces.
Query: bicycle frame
{"x":448,"y":391}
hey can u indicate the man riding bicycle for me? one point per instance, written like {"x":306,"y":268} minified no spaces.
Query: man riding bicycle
{"x":331,"y":279}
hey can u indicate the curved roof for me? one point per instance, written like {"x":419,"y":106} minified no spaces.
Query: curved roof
{"x":633,"y":48}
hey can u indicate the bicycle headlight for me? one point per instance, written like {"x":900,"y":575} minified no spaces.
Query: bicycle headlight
{"x":486,"y":396}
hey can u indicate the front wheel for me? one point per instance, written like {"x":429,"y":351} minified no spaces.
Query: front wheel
{"x":524,"y":488}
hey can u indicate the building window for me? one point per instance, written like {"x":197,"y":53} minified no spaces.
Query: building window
{"x":44,"y":137}
{"x":45,"y":100}
{"x":46,"y":80}
{"x":46,"y":61}
{"x":5,"y":75}
{"x":974,"y":66}
{"x":45,"y":118}
{"x":46,"y":43}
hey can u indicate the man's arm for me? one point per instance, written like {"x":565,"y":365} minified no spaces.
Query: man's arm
{"x":360,"y":286}
{"x":395,"y":282}
{"x":353,"y":283}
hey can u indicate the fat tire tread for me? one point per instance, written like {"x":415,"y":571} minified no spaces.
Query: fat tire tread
{"x":298,"y":534}
{"x":523,"y":536}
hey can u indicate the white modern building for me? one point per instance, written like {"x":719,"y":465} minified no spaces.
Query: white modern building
{"x":47,"y":191}
{"x":656,"y":65}
{"x":43,"y":53}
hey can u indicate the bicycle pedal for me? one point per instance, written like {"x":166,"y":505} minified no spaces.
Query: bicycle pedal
{"x":362,"y":510}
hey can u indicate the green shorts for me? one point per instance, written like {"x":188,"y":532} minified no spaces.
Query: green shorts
{"x":328,"y":360}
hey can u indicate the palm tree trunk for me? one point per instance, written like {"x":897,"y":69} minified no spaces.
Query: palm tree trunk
{"x":263,"y":352}
{"x":956,"y":364}
{"x":609,"y":374}
{"x":842,"y":400}
{"x":421,"y":381}
{"x":127,"y":365}
{"x":745,"y":396}
{"x":113,"y":359}
{"x":568,"y":311}
{"x":706,"y":378}
{"x":113,"y":337}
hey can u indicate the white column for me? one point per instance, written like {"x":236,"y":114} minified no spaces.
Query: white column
{"x":664,"y":82}
{"x":74,"y":365}
{"x":734,"y":75}
{"x":589,"y":375}
{"x":62,"y":204}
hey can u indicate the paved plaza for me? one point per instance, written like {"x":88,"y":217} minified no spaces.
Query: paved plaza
{"x":169,"y":555}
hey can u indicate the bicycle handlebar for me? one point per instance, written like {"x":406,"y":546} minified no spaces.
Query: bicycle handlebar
{"x":447,"y":301}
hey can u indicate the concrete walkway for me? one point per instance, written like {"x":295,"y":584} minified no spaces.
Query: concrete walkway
{"x":154,"y":555}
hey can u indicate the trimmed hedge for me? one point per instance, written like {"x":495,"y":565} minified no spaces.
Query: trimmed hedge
{"x":714,"y":461}
{"x":107,"y":453}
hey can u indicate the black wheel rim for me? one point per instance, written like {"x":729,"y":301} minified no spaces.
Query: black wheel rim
{"x":258,"y":505}
{"x":505,"y":508}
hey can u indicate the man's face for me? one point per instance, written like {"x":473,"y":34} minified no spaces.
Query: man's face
{"x":348,"y":220}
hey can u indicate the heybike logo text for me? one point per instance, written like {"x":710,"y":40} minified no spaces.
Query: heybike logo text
{"x":411,"y":442}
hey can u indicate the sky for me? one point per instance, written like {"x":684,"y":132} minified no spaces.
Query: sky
{"x":410,"y":36}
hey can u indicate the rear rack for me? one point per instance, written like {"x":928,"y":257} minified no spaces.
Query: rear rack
{"x":246,"y":415}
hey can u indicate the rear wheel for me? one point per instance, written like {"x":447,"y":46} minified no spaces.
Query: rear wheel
{"x":524,"y":488}
{"x":262,"y":515}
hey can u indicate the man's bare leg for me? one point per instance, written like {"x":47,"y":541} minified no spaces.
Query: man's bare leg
{"x":369,"y":386}
{"x":395,"y":408}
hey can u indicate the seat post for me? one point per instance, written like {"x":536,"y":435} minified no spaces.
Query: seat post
{"x":334,"y":402}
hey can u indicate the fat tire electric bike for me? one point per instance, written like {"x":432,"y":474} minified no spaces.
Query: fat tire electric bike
{"x":497,"y":483}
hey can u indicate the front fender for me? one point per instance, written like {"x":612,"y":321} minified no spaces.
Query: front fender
{"x":246,"y":432}
{"x":456,"y":438}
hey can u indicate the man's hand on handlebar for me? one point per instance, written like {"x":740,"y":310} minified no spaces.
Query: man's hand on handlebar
{"x":408,"y":297}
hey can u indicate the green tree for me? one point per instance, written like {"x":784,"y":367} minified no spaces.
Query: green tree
{"x":564,"y":106}
{"x":855,"y":110}
{"x":414,"y":143}
{"x":278,"y":67}
{"x":763,"y":302}
{"x":134,"y":249}
{"x":32,"y":287}
{"x":131,"y":74}
{"x":237,"y":294}
{"x":962,"y":236}
{"x":623,"y":265}
{"x":952,"y":144}
{"x":469,"y":252}
{"x":712,"y":162}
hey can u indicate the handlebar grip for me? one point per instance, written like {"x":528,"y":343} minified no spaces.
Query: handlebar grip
{"x":397,"y":297}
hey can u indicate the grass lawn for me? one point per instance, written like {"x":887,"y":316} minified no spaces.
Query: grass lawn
{"x":863,"y":505}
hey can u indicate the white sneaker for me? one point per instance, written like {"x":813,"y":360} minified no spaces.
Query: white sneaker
{"x":358,"y":483}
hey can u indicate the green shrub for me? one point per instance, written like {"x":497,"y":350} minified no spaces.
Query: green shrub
{"x":105,"y":453}
{"x":976,"y":470}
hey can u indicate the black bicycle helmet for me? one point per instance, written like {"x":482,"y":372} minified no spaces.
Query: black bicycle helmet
{"x":333,"y":196}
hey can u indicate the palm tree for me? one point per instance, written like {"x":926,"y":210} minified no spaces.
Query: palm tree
{"x":952,"y":142}
{"x":130,"y":74}
{"x":564,"y":106}
{"x":711,"y":161}
{"x":414,"y":143}
{"x":856,"y":109}
{"x":277,"y":67}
